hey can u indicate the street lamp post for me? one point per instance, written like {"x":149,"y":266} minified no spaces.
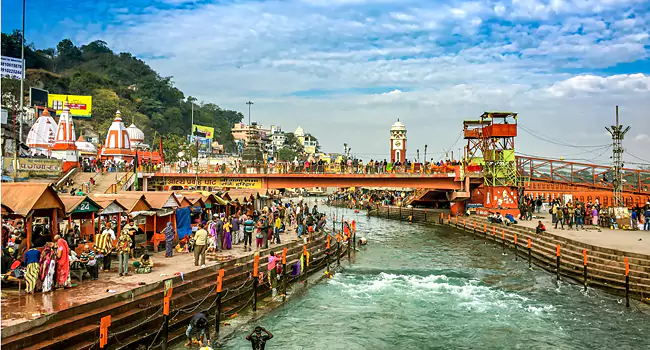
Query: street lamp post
{"x":425,"y":154}
{"x":22,"y":76}
{"x":249,"y":103}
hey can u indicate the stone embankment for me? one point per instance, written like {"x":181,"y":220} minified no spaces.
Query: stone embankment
{"x":137,"y":316}
{"x":606,"y":267}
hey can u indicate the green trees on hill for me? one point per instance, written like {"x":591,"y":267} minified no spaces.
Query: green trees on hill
{"x":118,"y":81}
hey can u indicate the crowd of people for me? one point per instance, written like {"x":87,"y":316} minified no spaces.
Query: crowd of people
{"x":366,"y":199}
{"x":223,"y":233}
{"x":319,"y":166}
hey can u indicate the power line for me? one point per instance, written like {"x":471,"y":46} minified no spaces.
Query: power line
{"x":556,"y":142}
{"x":647,"y":162}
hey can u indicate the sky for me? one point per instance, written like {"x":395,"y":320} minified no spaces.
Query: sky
{"x":346,"y":70}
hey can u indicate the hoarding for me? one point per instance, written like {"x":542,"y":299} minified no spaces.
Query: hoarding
{"x":37,"y":167}
{"x":80,"y":106}
{"x":11,"y":67}
{"x":38,"y":97}
{"x":206,"y":130}
{"x":214,"y":182}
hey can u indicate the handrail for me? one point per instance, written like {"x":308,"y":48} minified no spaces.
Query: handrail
{"x":113,"y":188}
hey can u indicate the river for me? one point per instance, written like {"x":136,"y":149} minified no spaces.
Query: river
{"x":418,"y":287}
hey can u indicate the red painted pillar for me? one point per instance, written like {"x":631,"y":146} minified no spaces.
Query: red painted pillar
{"x":457,"y":208}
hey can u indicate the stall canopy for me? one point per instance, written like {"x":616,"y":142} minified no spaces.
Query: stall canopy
{"x":22,"y":198}
{"x":109,"y":206}
{"x":131,"y":201}
{"x":79,"y":204}
{"x":30,"y":200}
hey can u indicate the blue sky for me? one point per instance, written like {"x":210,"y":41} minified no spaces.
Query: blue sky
{"x":347,"y":69}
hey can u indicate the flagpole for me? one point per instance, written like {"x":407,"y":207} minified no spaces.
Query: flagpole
{"x":135,"y":168}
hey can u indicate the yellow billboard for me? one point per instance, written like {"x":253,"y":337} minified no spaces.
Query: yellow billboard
{"x":214,"y":182}
{"x":80,"y":106}
{"x":208,"y":131}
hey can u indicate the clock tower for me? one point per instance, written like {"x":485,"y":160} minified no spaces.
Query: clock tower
{"x":398,"y":142}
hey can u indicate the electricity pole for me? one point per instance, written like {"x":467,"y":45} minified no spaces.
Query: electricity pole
{"x":22,"y":76}
{"x":618,"y":134}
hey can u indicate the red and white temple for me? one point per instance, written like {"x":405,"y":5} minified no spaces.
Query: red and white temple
{"x":118,"y":144}
{"x":64,"y":147}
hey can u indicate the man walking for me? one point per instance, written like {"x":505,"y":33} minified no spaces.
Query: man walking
{"x":201,"y":243}
{"x":123,"y":250}
{"x":104,"y":244}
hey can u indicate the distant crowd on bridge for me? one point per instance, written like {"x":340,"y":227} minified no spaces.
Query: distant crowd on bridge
{"x":349,"y":166}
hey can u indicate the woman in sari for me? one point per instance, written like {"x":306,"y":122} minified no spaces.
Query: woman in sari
{"x":594,"y":216}
{"x":227,"y":227}
{"x":169,"y":240}
{"x":48,"y":266}
{"x":62,"y":263}
{"x":33,"y":269}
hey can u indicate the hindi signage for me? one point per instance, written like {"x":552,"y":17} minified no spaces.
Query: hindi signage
{"x":214,"y":182}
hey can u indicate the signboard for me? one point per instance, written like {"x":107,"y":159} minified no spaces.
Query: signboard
{"x":203,"y":131}
{"x":204,"y":143}
{"x":41,"y":166}
{"x":214,"y":182}
{"x":80,"y":106}
{"x":38,"y":97}
{"x":11,"y":67}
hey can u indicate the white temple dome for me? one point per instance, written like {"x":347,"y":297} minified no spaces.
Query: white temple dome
{"x":43,"y":132}
{"x":299,"y":131}
{"x":117,"y":139}
{"x":398,"y":126}
{"x":84,"y":146}
{"x":136,"y":136}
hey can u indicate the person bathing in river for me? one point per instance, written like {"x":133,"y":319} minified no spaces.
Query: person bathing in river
{"x":258,"y":341}
{"x":199,"y":328}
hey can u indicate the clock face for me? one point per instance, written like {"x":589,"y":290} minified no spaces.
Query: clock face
{"x":398,"y":144}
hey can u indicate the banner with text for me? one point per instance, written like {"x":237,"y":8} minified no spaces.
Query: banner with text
{"x":203,"y":131}
{"x":27,"y":167}
{"x":214,"y":182}
{"x":80,"y":106}
{"x":11,"y":67}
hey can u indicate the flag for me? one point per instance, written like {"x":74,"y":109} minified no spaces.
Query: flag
{"x":162,"y":155}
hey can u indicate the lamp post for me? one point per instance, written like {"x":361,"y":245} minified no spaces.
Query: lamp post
{"x":249,"y":103}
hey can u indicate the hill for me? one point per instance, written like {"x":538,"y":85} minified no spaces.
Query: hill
{"x":117,"y":81}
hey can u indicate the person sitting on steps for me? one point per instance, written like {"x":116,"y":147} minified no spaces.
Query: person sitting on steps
{"x":540,"y":227}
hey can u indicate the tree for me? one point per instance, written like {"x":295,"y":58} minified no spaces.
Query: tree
{"x":286,"y":154}
{"x":291,"y":141}
{"x":68,"y":54}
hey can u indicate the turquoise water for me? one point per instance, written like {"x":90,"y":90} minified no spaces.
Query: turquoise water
{"x":417,"y":287}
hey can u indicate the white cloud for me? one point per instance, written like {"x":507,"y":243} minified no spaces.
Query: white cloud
{"x":642,"y":138}
{"x":441,"y":62}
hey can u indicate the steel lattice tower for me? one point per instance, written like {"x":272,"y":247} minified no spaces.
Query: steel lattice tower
{"x":618,"y":134}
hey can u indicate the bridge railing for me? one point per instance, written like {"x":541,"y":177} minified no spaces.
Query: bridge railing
{"x":290,"y":168}
{"x":582,"y":174}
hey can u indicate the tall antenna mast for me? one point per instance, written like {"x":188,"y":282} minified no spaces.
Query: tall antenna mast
{"x":618,"y":134}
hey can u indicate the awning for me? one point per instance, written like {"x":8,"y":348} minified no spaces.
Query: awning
{"x":143,"y":212}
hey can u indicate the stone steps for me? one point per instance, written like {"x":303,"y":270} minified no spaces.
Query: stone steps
{"x":80,"y":328}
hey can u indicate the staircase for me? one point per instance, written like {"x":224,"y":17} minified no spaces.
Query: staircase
{"x":103,"y":181}
{"x":416,"y":195}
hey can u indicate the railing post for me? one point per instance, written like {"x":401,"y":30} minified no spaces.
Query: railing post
{"x":284,"y":273}
{"x":327,"y":253}
{"x":256,"y":263}
{"x":515,"y":240}
{"x":167,"y":301}
{"x":529,"y":254}
{"x":627,"y":282}
{"x":584,"y":270}
{"x":557,"y":253}
{"x":218,"y":316}
{"x":104,"y":323}
{"x":503,"y":240}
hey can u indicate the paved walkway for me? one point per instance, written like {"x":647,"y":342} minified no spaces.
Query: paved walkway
{"x":631,"y":241}
{"x":21,"y":307}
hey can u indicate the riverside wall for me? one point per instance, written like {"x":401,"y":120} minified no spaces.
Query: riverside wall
{"x":137,"y":318}
{"x":606,"y":267}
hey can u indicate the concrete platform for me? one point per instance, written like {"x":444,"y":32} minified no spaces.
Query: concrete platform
{"x":20,"y":307}
{"x":623,"y":240}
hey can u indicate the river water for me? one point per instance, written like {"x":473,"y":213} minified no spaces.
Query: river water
{"x":418,"y":287}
